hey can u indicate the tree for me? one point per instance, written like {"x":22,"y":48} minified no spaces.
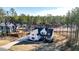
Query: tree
{"x":13,"y":15}
{"x":73,"y":18}
{"x":22,"y":19}
{"x":2,"y":14}
{"x":28,"y":20}
{"x":13,"y":12}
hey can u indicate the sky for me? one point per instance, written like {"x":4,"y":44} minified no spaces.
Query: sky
{"x":36,"y":3}
{"x":40,"y":7}
{"x":42,"y":11}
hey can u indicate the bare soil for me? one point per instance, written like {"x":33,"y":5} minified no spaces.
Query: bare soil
{"x":59,"y":40}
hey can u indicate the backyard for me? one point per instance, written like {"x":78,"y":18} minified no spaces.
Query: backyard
{"x":59,"y":40}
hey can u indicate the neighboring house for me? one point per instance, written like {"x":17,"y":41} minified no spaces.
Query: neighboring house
{"x":11,"y":27}
{"x":2,"y":28}
{"x":7,"y":28}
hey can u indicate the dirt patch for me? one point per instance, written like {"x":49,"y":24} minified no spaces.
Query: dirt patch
{"x":10,"y":38}
{"x":27,"y":47}
{"x":59,"y":39}
{"x":3,"y":42}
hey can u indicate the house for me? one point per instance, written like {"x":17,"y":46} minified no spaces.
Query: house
{"x":6,"y":28}
{"x":39,"y":34}
{"x":2,"y":28}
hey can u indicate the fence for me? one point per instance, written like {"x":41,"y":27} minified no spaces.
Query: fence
{"x":71,"y":34}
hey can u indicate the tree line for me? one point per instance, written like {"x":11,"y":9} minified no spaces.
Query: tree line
{"x":11,"y":16}
{"x":72,"y":17}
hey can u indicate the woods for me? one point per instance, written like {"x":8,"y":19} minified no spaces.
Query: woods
{"x":11,"y":16}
